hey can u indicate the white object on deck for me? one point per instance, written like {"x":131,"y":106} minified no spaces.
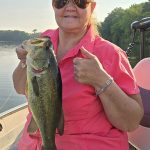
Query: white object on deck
{"x":12,"y":122}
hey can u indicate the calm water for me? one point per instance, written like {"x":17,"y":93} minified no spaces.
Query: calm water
{"x":8,"y":61}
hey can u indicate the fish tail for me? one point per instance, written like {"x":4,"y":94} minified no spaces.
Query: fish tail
{"x":45,"y":147}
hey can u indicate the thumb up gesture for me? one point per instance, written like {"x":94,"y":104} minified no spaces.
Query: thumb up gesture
{"x":89,"y":70}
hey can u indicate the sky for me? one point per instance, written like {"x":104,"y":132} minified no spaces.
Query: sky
{"x":27,"y":15}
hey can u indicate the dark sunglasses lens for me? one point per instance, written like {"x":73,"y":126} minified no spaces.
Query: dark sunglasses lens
{"x":80,"y":3}
{"x":60,"y":3}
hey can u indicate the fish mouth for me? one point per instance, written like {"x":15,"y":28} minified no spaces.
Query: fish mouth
{"x":38,"y":71}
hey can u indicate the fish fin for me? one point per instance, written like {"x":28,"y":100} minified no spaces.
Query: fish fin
{"x":35,"y":86}
{"x":59,"y":79}
{"x":61,"y":124}
{"x":32,"y":127}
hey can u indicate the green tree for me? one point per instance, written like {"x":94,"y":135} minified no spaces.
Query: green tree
{"x":117,"y":27}
{"x":34,"y":31}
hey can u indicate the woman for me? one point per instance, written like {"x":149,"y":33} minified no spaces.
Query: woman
{"x":101,"y":100}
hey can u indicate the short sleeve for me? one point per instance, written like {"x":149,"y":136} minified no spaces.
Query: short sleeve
{"x":114,"y":60}
{"x":122,"y":72}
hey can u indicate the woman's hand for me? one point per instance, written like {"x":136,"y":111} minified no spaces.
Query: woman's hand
{"x":19,"y":74}
{"x":89,"y":70}
{"x":21,"y":54}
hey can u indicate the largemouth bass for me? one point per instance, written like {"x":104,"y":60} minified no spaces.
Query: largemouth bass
{"x":44,"y":90}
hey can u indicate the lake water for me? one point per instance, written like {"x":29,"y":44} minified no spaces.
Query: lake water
{"x":8,"y":61}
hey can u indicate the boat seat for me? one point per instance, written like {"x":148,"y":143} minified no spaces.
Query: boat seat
{"x":142,"y":75}
{"x":140,"y":137}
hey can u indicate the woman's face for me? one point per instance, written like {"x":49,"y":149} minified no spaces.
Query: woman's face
{"x":71,"y":18}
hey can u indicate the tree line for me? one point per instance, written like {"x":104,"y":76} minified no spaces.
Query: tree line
{"x":16,"y":35}
{"x":117,"y":28}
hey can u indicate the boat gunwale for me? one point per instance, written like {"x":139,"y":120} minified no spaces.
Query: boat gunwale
{"x":13,"y":110}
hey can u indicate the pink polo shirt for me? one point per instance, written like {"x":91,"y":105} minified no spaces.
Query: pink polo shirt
{"x":86,"y":124}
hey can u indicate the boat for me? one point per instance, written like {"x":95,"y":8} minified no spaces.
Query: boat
{"x":13,"y":120}
{"x":11,"y":124}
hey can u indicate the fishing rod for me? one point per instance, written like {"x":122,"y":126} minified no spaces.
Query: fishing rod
{"x":142,"y":26}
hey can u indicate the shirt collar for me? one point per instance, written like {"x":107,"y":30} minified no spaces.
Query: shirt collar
{"x":87,"y":41}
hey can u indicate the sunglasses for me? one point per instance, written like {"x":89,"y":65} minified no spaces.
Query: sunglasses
{"x":80,"y":3}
